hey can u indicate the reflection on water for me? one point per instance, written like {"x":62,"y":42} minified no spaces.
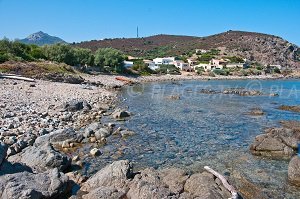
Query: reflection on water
{"x":206,"y":129}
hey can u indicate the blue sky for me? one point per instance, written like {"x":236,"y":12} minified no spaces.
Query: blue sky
{"x":81,"y":20}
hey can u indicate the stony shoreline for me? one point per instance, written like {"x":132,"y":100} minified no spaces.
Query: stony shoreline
{"x":41,"y":121}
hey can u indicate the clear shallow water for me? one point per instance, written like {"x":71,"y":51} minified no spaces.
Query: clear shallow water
{"x":209,"y":129}
{"x":206,"y":129}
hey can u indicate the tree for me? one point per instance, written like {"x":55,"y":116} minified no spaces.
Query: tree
{"x":83,"y":57}
{"x":60,"y":53}
{"x":110,"y":57}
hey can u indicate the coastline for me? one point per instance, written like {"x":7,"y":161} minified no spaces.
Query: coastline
{"x":38,"y":108}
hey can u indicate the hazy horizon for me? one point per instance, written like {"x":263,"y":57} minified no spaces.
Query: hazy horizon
{"x":76,"y":20}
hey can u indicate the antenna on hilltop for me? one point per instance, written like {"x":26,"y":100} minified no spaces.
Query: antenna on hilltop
{"x":137,"y":32}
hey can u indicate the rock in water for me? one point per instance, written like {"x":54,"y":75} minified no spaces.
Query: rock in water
{"x":294,"y":170}
{"x":119,"y":114}
{"x":3,"y":150}
{"x":95,"y":152}
{"x":59,"y":136}
{"x":50,"y":184}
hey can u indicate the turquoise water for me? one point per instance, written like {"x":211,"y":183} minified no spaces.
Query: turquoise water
{"x":205,"y":129}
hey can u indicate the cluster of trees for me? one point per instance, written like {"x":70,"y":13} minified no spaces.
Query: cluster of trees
{"x":109,"y":58}
{"x":206,"y":57}
{"x":142,"y":68}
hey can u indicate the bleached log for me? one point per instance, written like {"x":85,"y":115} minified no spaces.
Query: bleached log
{"x":17,"y":78}
{"x":229,"y":187}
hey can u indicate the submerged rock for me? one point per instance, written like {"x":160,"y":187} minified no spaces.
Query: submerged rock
{"x":50,"y":184}
{"x":3,"y":151}
{"x":256,"y":112}
{"x":290,"y":108}
{"x":294,"y":171}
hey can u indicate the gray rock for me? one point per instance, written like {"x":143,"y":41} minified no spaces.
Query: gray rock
{"x":174,"y":178}
{"x":105,"y":193}
{"x":91,"y":129}
{"x":95,"y":152}
{"x":148,"y":184}
{"x":41,"y":158}
{"x":58,"y":136}
{"x":102,"y":133}
{"x":76,"y":105}
{"x":276,"y":142}
{"x":119,"y":114}
{"x":294,"y":171}
{"x":3,"y":151}
{"x":25,"y":185}
{"x":203,"y":185}
{"x":113,"y":175}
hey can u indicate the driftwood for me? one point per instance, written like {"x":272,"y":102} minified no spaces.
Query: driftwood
{"x":16,"y":77}
{"x":224,"y":182}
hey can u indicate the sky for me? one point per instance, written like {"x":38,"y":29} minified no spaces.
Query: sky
{"x":82,"y":20}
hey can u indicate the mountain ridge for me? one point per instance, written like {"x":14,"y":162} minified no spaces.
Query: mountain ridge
{"x":259,"y":47}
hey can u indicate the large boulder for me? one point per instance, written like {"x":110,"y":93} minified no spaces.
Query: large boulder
{"x":41,"y":158}
{"x":203,"y":185}
{"x":117,"y":181}
{"x":294,"y":170}
{"x":174,"y":178}
{"x":3,"y":150}
{"x":148,"y":184}
{"x":276,"y":142}
{"x":105,"y":193}
{"x":59,"y":136}
{"x":114,"y":175}
{"x":25,"y":185}
{"x":76,"y":105}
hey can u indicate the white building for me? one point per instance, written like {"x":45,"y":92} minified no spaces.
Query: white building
{"x":151,"y":64}
{"x":182,"y":66}
{"x":206,"y":67}
{"x":128,"y":64}
{"x":201,"y":51}
{"x":164,"y":61}
{"x":235,"y":65}
{"x":192,"y":62}
{"x":276,"y":66}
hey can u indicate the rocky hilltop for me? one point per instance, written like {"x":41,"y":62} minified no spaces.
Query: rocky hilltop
{"x":257,"y":47}
{"x":40,"y":38}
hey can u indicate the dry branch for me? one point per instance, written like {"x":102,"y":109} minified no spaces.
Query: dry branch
{"x":224,"y":182}
{"x":17,"y":78}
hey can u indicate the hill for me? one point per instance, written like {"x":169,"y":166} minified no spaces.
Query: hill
{"x":40,"y":38}
{"x":257,"y":47}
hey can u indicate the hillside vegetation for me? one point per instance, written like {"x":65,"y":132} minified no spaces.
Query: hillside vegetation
{"x":262,"y":48}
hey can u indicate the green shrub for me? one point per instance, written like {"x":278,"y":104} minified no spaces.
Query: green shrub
{"x":221,"y":72}
{"x":168,"y":69}
{"x":277,"y":70}
{"x":4,"y":58}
